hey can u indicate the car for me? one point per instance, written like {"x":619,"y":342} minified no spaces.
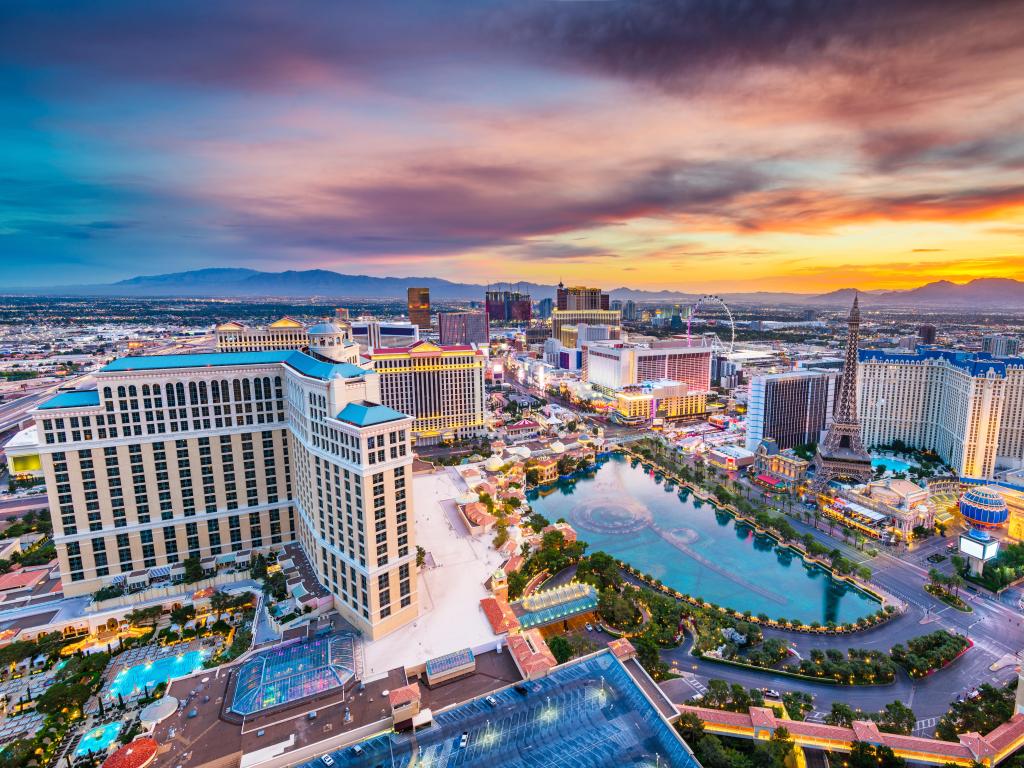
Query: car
{"x":600,"y":627}
{"x":521,"y":689}
{"x":464,"y":740}
{"x":771,"y":693}
{"x":590,"y":627}
{"x":491,"y":700}
{"x":348,"y":715}
{"x":357,"y":750}
{"x":327,"y":760}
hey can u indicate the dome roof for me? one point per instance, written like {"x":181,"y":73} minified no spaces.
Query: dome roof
{"x":984,"y":506}
{"x":325,"y":329}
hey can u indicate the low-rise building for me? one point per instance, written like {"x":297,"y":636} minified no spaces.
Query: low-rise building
{"x":778,"y":470}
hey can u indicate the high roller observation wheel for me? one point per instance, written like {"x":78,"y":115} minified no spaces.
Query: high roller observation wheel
{"x":710,"y":299}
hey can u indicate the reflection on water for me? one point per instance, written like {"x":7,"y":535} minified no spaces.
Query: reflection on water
{"x":696,"y":548}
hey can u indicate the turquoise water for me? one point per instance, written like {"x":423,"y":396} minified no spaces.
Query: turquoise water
{"x":891,"y":464}
{"x":98,"y":739}
{"x":695,"y":548}
{"x":151,"y":674}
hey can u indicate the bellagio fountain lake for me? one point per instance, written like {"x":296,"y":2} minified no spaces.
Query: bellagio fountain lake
{"x":694,"y":547}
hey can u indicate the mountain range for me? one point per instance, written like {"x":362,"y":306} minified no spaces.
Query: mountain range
{"x":982,"y":293}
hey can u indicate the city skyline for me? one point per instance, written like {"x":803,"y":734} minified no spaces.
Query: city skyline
{"x":809,"y":149}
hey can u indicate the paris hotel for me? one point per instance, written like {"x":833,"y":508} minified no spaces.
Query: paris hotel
{"x":217,"y":456}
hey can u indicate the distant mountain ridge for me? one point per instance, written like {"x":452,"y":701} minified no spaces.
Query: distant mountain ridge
{"x":229,"y":282}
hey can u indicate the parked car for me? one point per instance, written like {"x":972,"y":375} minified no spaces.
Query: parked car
{"x":771,"y":693}
{"x":327,"y":760}
{"x":464,"y":740}
{"x":491,"y":700}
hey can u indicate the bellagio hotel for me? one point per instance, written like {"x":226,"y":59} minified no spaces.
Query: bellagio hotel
{"x":213,"y":455}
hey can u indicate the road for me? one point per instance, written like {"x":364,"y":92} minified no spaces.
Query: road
{"x":18,"y":506}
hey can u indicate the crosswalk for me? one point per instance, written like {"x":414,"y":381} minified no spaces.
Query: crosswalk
{"x":926,"y":725}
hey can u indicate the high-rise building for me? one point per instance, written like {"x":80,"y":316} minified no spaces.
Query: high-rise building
{"x":419,"y":307}
{"x":926,"y":333}
{"x":580,"y":297}
{"x":967,"y":407}
{"x":216,"y":456}
{"x":562,"y":317}
{"x":464,"y":327}
{"x":998,"y":345}
{"x":341,"y":314}
{"x":325,"y":339}
{"x":441,"y":387}
{"x":578,"y":335}
{"x":629,"y":311}
{"x":544,"y":308}
{"x":841,"y":454}
{"x":791,"y":408}
{"x":506,"y":306}
{"x":611,"y":365}
{"x":372,"y":334}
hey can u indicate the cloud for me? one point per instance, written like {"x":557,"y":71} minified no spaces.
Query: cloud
{"x":454,"y":208}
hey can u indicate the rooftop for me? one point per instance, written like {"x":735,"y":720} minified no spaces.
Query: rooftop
{"x":590,"y":712}
{"x":299,"y":361}
{"x":81,"y":398}
{"x":367,"y":414}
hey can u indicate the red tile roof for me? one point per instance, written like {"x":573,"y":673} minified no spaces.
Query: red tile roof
{"x":531,"y":653}
{"x":136,"y":754}
{"x":404,"y":695}
{"x":499,"y":614}
{"x":622,"y":648}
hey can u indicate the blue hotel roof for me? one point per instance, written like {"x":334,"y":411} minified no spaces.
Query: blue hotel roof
{"x":974,"y":363}
{"x":368,"y":414}
{"x":299,"y":361}
{"x":82,"y":398}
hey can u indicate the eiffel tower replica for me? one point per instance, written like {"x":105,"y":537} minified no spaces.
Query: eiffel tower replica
{"x":841,"y":455}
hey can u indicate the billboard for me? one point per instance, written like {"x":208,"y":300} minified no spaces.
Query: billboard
{"x":983,"y":550}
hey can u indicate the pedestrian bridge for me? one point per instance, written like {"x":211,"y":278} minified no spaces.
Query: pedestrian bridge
{"x":972,"y":748}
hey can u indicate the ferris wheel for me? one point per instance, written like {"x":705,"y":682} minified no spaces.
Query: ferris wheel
{"x":704,"y":303}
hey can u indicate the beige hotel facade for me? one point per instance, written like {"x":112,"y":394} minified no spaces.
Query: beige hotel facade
{"x":210,"y":455}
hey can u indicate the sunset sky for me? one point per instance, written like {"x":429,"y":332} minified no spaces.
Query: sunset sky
{"x":699,"y":145}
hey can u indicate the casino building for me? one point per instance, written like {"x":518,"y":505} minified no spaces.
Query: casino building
{"x":214,"y":456}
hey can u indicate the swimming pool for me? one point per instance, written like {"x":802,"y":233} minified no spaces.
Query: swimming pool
{"x":98,"y":739}
{"x":695,"y":548}
{"x":890,"y":463}
{"x":150,"y":674}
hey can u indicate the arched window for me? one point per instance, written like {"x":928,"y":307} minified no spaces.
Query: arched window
{"x":246,"y":390}
{"x":169,"y":389}
{"x":236,"y":385}
{"x":145,"y":390}
{"x":121,"y":392}
{"x":258,"y":386}
{"x":193,"y":393}
{"x":179,"y":390}
{"x":132,"y":391}
{"x":202,"y":392}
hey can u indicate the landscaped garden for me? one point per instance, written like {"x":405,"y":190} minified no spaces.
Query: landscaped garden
{"x":925,"y":654}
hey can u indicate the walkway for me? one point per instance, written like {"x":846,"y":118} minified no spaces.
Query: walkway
{"x":761,"y":723}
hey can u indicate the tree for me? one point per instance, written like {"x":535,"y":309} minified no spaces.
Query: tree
{"x":864,"y":755}
{"x":259,"y":566}
{"x":897,"y":717}
{"x":560,"y":649}
{"x":691,"y":728}
{"x":220,"y":602}
{"x":183,"y":614}
{"x":841,"y":714}
{"x":647,"y":653}
{"x":421,"y":556}
{"x":193,"y":570}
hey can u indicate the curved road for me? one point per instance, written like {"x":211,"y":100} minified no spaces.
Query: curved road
{"x":996,"y":630}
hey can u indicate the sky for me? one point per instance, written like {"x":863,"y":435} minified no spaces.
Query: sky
{"x":702,"y":145}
